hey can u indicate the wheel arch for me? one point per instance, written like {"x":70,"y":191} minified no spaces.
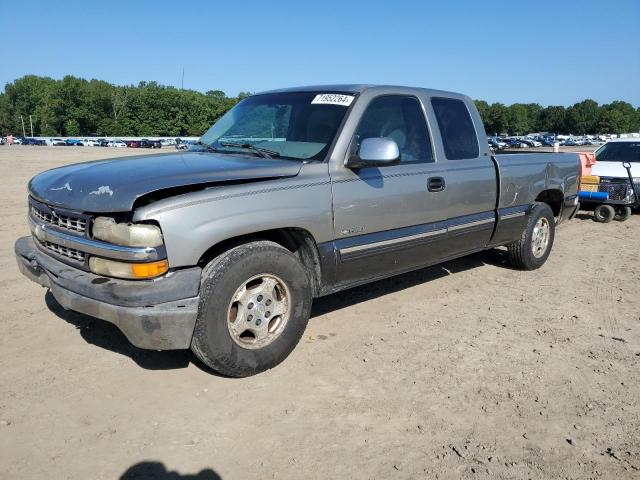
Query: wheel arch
{"x":552,"y":197}
{"x":298,"y":241}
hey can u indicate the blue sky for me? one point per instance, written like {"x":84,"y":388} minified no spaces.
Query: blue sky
{"x":550,"y":52}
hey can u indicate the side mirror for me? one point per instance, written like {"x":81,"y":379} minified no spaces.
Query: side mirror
{"x":375,"y":152}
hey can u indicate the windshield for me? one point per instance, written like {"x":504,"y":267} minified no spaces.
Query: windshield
{"x":619,"y":152}
{"x":299,"y":125}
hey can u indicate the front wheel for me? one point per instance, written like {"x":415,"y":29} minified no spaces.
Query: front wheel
{"x":534,"y":246}
{"x":255,"y":302}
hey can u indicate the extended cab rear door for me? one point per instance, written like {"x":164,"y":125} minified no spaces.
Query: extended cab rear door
{"x":393,"y":218}
{"x":471,"y":178}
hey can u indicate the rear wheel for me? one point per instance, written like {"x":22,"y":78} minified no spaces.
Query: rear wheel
{"x":604,"y":213}
{"x":255,"y":302}
{"x":534,"y":246}
{"x":622,"y":214}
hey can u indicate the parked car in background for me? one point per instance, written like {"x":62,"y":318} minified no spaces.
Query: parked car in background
{"x":611,"y":156}
{"x":497,"y":144}
{"x":146,"y":143}
{"x":182,"y":146}
{"x":34,"y":141}
{"x":89,"y":142}
{"x":515,"y":143}
{"x":73,"y":142}
{"x":133,"y":143}
{"x":117,"y":144}
{"x":167,"y":142}
{"x":103,"y":142}
{"x":58,"y":142}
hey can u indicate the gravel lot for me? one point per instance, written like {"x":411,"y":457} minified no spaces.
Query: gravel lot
{"x":466,"y":370}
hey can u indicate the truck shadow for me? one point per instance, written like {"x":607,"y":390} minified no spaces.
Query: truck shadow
{"x":106,"y":335}
{"x":584,"y":216}
{"x":391,"y":285}
{"x":157,"y":471}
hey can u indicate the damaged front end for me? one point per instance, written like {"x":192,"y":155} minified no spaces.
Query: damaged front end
{"x":114,"y":270}
{"x":87,"y":249}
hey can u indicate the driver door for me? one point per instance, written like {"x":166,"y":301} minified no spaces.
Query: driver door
{"x":393,"y":218}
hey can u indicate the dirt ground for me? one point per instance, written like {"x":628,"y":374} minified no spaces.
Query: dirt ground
{"x":466,"y":370}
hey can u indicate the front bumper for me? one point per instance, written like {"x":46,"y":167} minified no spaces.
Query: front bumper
{"x":157,"y":314}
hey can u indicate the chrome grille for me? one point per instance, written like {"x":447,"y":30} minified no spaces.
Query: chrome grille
{"x":64,"y":251}
{"x":67,"y":222}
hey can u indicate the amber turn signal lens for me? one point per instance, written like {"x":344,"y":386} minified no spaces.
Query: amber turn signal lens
{"x":148,"y":270}
{"x":133,"y":271}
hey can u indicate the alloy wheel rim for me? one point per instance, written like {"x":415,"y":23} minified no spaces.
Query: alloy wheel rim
{"x":540,"y":237}
{"x":259,"y":311}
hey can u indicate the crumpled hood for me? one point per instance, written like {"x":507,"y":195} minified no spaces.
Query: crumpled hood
{"x":614,"y":169}
{"x":113,"y":185}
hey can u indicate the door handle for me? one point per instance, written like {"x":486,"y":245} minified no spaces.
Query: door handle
{"x":436,"y":184}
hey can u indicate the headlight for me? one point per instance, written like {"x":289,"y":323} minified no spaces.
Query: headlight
{"x":127,"y":234}
{"x":134,"y":271}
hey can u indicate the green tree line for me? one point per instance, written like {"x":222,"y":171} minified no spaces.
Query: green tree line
{"x":78,"y":107}
{"x":586,"y":117}
{"x":75,"y":106}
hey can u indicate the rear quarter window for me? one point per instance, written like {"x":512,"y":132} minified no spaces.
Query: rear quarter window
{"x":456,"y":127}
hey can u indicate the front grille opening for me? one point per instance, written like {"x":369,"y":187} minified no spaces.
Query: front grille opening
{"x":75,"y":224}
{"x":70,"y":253}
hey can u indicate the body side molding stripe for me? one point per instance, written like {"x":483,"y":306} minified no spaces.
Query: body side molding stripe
{"x":462,"y":226}
{"x":384,"y":243}
{"x":440,"y":228}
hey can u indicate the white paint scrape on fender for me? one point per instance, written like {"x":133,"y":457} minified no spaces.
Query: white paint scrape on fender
{"x":103,"y":190}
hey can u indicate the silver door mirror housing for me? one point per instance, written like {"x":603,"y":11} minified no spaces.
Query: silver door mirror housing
{"x":375,"y":152}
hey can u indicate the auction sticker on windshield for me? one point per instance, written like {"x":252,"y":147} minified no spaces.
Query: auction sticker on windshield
{"x":333,"y":99}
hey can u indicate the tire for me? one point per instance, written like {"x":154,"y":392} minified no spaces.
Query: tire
{"x":531,"y":251}
{"x":244,"y":273}
{"x":622,"y":214}
{"x":604,"y":213}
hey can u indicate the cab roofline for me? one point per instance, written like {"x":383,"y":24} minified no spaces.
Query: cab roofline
{"x":360,"y":88}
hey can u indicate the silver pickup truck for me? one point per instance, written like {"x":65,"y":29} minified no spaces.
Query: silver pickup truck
{"x":293,"y":194}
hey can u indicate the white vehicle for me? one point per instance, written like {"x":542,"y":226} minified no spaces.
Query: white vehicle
{"x":57,"y":142}
{"x":611,"y":156}
{"x":165,"y":142}
{"x":117,"y":144}
{"x":89,"y":142}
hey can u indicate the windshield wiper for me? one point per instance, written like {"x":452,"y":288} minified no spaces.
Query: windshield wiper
{"x":208,"y":147}
{"x":263,"y":152}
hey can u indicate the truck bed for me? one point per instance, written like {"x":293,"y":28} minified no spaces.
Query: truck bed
{"x":520,"y":175}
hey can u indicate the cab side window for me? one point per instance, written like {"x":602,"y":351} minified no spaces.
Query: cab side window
{"x":458,"y":133}
{"x":399,"y":118}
